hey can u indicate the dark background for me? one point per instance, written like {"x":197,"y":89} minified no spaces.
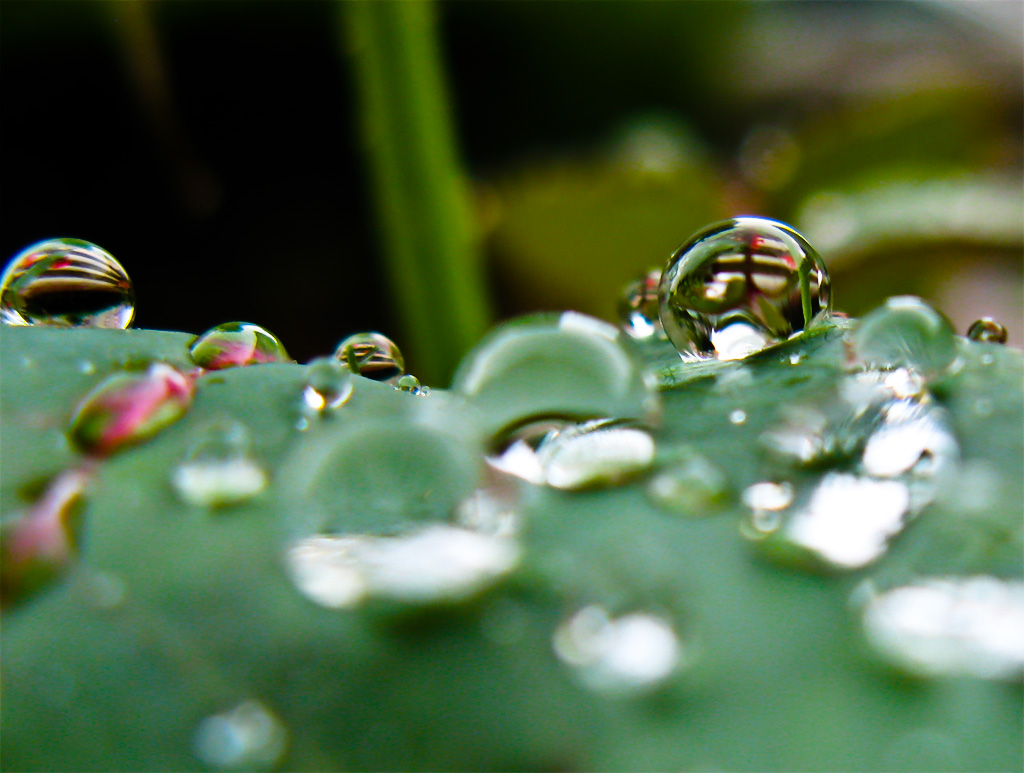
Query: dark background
{"x":212,"y":146}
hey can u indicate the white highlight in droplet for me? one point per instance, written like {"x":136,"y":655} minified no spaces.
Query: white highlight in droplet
{"x":247,"y":737}
{"x":951,"y":626}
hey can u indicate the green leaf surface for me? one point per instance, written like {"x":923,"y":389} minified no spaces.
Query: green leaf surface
{"x":174,"y":613}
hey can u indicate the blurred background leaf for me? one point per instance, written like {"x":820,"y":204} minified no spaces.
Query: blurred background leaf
{"x":214,"y":149}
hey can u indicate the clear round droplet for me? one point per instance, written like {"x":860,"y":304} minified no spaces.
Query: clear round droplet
{"x":739,"y":286}
{"x":638,"y":307}
{"x":234,"y":344}
{"x":248,"y":736}
{"x":409,"y":383}
{"x":328,"y":385}
{"x":694,"y":486}
{"x":628,"y":654}
{"x":66,"y":283}
{"x":987,"y":330}
{"x":219,"y":470}
{"x":905,"y":332}
{"x":129,"y":407}
{"x":372,"y":356}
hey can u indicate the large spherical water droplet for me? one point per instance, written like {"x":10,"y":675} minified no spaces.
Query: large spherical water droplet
{"x":129,"y":407}
{"x":987,"y":330}
{"x":66,"y":283}
{"x":234,"y":344}
{"x":371,"y":355}
{"x":905,"y":332}
{"x":638,"y":307}
{"x":595,"y":453}
{"x":741,"y":285}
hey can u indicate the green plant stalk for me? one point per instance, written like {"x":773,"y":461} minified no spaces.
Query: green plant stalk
{"x":429,"y":239}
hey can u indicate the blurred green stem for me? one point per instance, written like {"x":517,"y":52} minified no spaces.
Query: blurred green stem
{"x":429,"y":237}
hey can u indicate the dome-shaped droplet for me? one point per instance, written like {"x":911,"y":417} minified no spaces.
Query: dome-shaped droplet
{"x":248,"y":736}
{"x":236,"y":343}
{"x":129,"y":407}
{"x":987,"y":330}
{"x":905,"y":332}
{"x":638,"y":307}
{"x":567,"y":366}
{"x":219,"y":469}
{"x":739,"y":286}
{"x":66,"y":283}
{"x":409,"y":383}
{"x":595,"y":453}
{"x":328,"y":385}
{"x":371,"y":355}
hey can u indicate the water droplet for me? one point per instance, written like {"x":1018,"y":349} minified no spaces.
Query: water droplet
{"x":409,"y":383}
{"x":987,"y":330}
{"x":739,"y":286}
{"x":234,"y":344}
{"x":371,"y":355}
{"x":219,"y":470}
{"x":66,"y":283}
{"x":795,"y":358}
{"x":38,"y":546}
{"x":556,"y":366}
{"x":102,"y":590}
{"x":768,"y":496}
{"x":912,"y":433}
{"x":849,"y":519}
{"x":491,"y":509}
{"x":949,"y":626}
{"x":632,"y":653}
{"x":638,"y":307}
{"x":86,"y":368}
{"x":737,"y":417}
{"x":436,"y":563}
{"x":905,"y":332}
{"x":693,"y":486}
{"x":328,"y":386}
{"x":595,"y":453}
{"x":247,"y":737}
{"x":129,"y":407}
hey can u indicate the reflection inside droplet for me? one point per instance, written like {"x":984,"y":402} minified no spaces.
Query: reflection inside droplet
{"x":987,"y":330}
{"x":328,"y":385}
{"x":235,"y":344}
{"x":638,"y":307}
{"x":371,"y":355}
{"x":595,"y":453}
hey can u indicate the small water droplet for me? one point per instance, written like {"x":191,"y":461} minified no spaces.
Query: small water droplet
{"x":737,"y":417}
{"x":219,"y":470}
{"x":86,"y":368}
{"x":328,"y":386}
{"x":27,"y":362}
{"x":103,"y":590}
{"x":628,"y":654}
{"x":950,"y":626}
{"x":983,"y":407}
{"x":409,"y":383}
{"x":66,"y":283}
{"x":129,"y":407}
{"x":436,"y":563}
{"x":234,"y":344}
{"x":638,"y":307}
{"x":768,"y":496}
{"x":595,"y":453}
{"x":905,"y":332}
{"x":518,"y":452}
{"x":987,"y":359}
{"x":693,"y":486}
{"x":795,"y":358}
{"x":248,"y":736}
{"x":987,"y":330}
{"x":739,"y":286}
{"x":372,"y":356}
